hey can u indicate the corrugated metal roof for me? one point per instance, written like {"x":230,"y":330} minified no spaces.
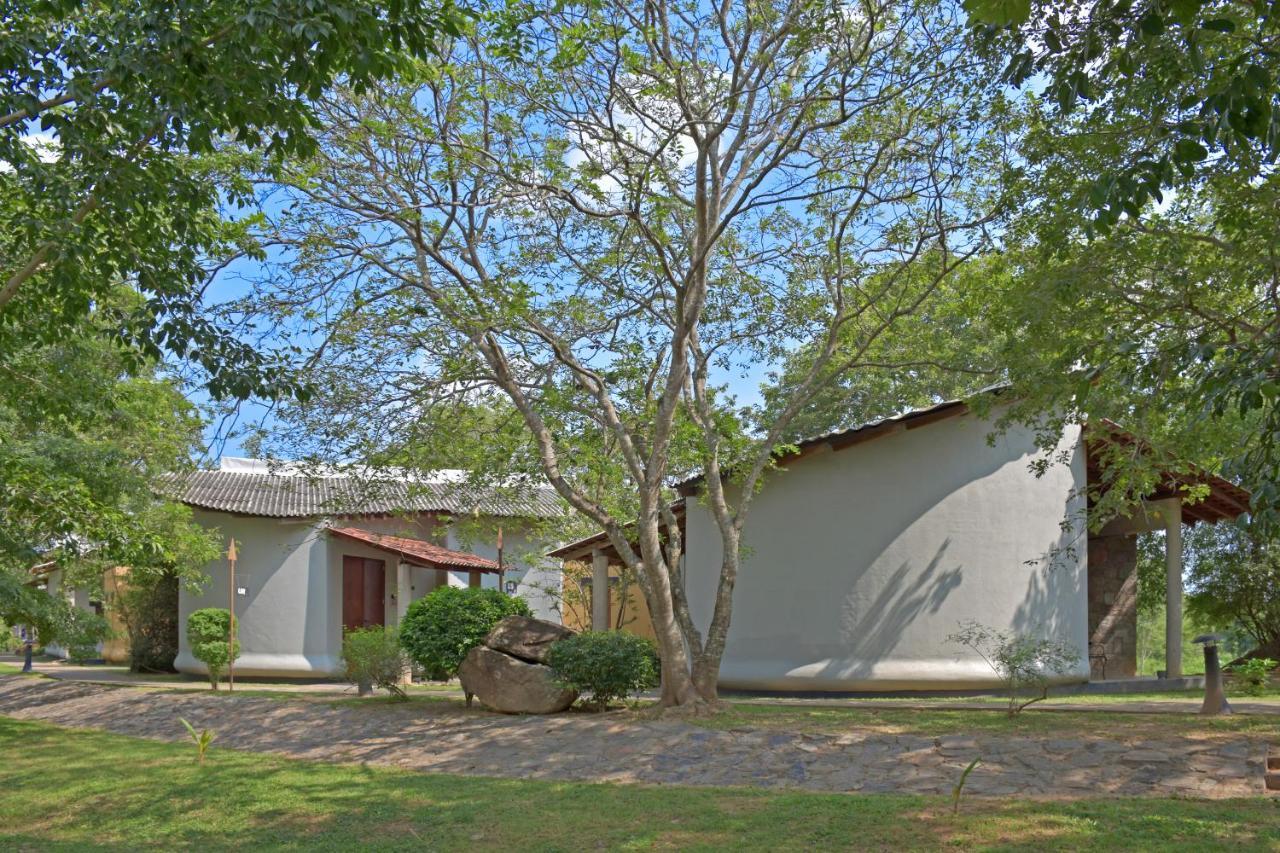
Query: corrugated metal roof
{"x":417,"y":551}
{"x":300,"y":496}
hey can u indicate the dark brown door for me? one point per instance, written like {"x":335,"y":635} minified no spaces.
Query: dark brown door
{"x":363,"y":591}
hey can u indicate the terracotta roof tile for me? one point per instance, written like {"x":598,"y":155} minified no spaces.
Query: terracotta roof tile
{"x":417,"y":551}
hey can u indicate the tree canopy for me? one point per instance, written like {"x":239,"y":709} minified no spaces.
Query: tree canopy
{"x":87,"y":431}
{"x":112,"y":120}
{"x":658,"y":197}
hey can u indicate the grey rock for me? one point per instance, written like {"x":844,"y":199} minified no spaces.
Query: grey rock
{"x":526,"y":638}
{"x":511,"y":685}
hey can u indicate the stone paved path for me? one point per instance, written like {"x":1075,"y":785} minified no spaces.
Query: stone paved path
{"x":441,"y":738}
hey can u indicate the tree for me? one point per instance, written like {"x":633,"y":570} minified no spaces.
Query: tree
{"x":1235,"y":579}
{"x":148,"y":606}
{"x":1166,"y":323}
{"x":946,"y":350}
{"x":88,"y":430}
{"x":1140,"y":275}
{"x":1182,"y":85}
{"x":113,"y":120}
{"x":662,"y":195}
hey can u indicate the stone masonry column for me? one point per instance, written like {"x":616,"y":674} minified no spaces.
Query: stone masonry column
{"x":1113,"y":606}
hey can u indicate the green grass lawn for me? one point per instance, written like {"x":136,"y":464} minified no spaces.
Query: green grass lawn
{"x":951,"y":720}
{"x":73,"y":789}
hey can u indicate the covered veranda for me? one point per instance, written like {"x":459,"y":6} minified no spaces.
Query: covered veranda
{"x":1183,"y":498}
{"x":397,"y":575}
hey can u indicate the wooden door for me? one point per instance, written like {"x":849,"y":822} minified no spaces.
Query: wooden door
{"x":364,"y":587}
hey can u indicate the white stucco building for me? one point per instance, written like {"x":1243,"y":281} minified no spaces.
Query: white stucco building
{"x":316,"y":552}
{"x":870,"y":546}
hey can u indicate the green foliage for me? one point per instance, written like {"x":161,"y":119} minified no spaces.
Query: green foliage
{"x":149,"y":609}
{"x":1185,"y":85}
{"x":1145,"y":211}
{"x":208,"y":631}
{"x":9,"y":641}
{"x":1187,"y":364}
{"x":1234,"y":578}
{"x":945,"y":350}
{"x":605,"y":665}
{"x":958,"y":789}
{"x":89,"y":429}
{"x":441,"y":627}
{"x":1151,"y":641}
{"x":373,"y":656}
{"x":201,"y":740}
{"x":1255,"y":673}
{"x":54,"y":619}
{"x":1022,"y":663}
{"x":134,"y":104}
{"x":83,"y":652}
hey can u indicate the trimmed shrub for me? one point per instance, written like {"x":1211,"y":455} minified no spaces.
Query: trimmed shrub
{"x":207,"y":633}
{"x":605,"y":665}
{"x":373,"y":657}
{"x":441,"y":627}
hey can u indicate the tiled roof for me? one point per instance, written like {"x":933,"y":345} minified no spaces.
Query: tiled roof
{"x":300,"y":496}
{"x":416,"y":550}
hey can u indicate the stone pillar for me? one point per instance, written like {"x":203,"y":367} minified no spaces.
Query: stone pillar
{"x":403,"y":591}
{"x":1113,"y":606}
{"x":1172,"y":515}
{"x":599,"y":591}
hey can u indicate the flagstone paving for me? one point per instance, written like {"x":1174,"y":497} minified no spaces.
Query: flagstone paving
{"x":441,"y":737}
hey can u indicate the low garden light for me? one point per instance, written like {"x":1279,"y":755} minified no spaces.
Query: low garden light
{"x":1215,"y":700}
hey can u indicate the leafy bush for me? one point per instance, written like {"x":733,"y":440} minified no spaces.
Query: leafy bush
{"x":207,"y":633}
{"x":83,"y":652}
{"x":9,"y":642}
{"x":1020,"y":662}
{"x":441,"y":627}
{"x":54,"y":619}
{"x":1255,"y":673}
{"x":373,"y":656}
{"x":605,"y":665}
{"x":150,"y":614}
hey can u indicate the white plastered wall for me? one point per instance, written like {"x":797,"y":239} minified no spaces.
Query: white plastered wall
{"x":860,"y":562}
{"x":537,"y":577}
{"x":290,"y":616}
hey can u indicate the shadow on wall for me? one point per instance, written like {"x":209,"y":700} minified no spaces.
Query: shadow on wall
{"x":869,"y":631}
{"x":1058,"y":578}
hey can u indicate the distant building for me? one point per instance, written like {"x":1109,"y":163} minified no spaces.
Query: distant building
{"x":319,"y":551}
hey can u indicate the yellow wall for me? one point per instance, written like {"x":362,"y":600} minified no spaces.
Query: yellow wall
{"x":575,"y":610}
{"x":115,"y":649}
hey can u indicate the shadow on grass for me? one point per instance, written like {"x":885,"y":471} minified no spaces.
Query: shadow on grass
{"x":124,"y":792}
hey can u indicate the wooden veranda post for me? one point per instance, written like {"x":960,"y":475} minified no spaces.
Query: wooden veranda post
{"x":231,"y":610}
{"x":502,"y":574}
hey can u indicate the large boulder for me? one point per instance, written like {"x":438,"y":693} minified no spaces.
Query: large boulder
{"x":510,"y":685}
{"x":526,"y":638}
